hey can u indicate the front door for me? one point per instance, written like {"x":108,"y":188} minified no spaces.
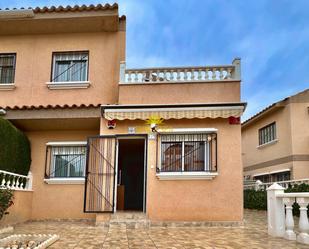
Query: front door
{"x":100,"y":174}
{"x":131,"y":173}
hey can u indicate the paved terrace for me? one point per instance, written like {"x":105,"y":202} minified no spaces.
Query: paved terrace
{"x":79,"y":235}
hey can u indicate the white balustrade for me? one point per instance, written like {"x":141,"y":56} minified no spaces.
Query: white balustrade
{"x":15,"y":181}
{"x":280,"y":223}
{"x":289,"y":221}
{"x":180,"y":74}
{"x":303,"y":237}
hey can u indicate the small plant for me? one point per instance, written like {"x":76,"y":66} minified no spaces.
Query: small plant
{"x":6,"y":200}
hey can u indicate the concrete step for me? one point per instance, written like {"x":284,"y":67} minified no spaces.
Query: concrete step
{"x":123,"y":220}
{"x":128,"y":224}
{"x":128,"y":216}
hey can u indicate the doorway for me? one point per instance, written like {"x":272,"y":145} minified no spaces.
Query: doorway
{"x":131,"y":180}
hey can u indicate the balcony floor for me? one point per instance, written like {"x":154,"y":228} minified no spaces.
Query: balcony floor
{"x":84,"y":235}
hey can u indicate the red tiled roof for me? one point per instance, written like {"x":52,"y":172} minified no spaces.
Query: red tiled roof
{"x":37,"y":107}
{"x":69,"y":8}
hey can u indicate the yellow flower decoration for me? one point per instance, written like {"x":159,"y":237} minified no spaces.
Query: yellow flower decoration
{"x":154,"y":120}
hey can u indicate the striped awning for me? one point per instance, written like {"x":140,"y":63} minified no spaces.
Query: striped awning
{"x":190,"y":112}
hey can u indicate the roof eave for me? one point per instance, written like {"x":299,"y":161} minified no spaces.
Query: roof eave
{"x":259,"y":116}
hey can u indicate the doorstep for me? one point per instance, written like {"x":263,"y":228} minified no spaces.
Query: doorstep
{"x":140,"y":220}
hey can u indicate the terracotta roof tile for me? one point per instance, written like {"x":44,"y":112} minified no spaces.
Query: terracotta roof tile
{"x":37,"y":107}
{"x":69,"y":8}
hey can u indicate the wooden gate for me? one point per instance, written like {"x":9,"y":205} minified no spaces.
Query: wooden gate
{"x":100,"y":174}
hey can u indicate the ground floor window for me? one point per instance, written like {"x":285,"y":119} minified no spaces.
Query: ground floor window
{"x":66,"y":161}
{"x":188,"y":152}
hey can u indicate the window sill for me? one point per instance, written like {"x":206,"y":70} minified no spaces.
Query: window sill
{"x":68,"y":85}
{"x":68,"y":181}
{"x":186,"y":175}
{"x":266,"y":144}
{"x":7,"y":86}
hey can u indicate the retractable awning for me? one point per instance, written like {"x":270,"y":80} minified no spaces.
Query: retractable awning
{"x":224,"y":110}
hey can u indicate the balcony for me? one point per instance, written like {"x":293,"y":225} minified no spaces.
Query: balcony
{"x":170,"y":85}
{"x":181,"y":74}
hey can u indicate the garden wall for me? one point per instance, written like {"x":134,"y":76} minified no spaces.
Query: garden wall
{"x":21,"y":210}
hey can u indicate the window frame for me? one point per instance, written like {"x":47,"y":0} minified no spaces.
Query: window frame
{"x":208,"y":154}
{"x":50,"y":161}
{"x":53,"y":64}
{"x":14,"y":68}
{"x":265,"y":134}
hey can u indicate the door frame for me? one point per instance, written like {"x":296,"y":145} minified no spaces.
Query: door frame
{"x":131,"y":136}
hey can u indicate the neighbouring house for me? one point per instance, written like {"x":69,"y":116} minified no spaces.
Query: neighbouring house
{"x":275,"y":141}
{"x":104,"y":138}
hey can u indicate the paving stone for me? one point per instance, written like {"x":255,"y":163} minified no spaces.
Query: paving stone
{"x":82,"y":234}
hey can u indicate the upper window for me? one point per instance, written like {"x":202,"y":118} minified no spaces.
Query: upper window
{"x":7,"y":68}
{"x":267,"y":134}
{"x":188,"y":152}
{"x":66,"y":161}
{"x":70,"y":67}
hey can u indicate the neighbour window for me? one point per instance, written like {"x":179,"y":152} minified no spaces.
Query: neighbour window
{"x":274,"y":177}
{"x":70,"y":66}
{"x":67,"y":161}
{"x":7,"y":68}
{"x":188,"y":152}
{"x":267,"y":134}
{"x":262,"y":178}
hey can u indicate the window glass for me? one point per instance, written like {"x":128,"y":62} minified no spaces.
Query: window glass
{"x":7,"y":68}
{"x":194,"y":158}
{"x":70,"y":67}
{"x":67,"y":161}
{"x":267,"y":133}
{"x":188,"y":152}
{"x":171,"y":156}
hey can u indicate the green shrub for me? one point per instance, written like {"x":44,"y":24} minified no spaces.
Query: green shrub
{"x":15,"y":155}
{"x":255,"y":199}
{"x":258,"y":199}
{"x":6,"y":200}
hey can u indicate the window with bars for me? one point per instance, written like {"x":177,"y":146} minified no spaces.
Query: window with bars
{"x":70,"y":67}
{"x":7,"y":68}
{"x":65,"y":161}
{"x":267,"y":133}
{"x":188,"y":152}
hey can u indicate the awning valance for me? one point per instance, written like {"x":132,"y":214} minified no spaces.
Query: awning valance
{"x":222,"y":111}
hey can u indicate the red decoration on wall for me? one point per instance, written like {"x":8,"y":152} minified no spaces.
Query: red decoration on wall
{"x":111,"y":124}
{"x":234,"y":120}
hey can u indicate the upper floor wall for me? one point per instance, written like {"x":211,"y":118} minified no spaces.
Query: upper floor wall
{"x":89,"y":42}
{"x":291,"y":137}
{"x":209,"y":84}
{"x":253,"y":151}
{"x":300,"y":124}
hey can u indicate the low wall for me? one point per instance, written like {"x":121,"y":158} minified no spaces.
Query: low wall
{"x":20,"y":211}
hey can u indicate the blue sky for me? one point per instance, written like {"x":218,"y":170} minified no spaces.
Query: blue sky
{"x":270,"y":36}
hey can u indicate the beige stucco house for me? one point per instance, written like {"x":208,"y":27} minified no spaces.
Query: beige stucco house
{"x":275,"y":141}
{"x":104,"y":138}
